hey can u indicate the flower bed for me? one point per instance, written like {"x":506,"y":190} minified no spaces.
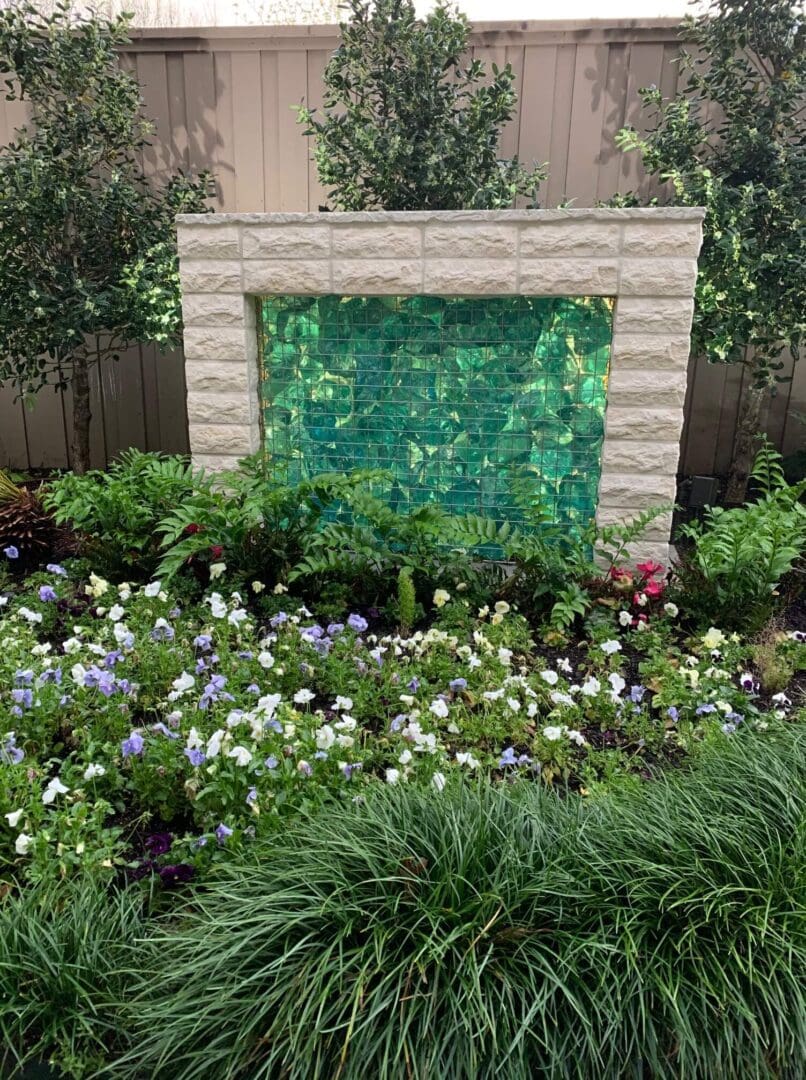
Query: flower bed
{"x":143,"y":736}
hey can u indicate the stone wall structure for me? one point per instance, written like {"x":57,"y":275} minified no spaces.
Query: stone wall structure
{"x":645,"y":258}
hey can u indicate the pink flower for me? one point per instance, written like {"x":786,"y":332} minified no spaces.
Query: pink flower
{"x":649,"y":568}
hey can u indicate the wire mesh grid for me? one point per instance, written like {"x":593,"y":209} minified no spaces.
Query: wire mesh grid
{"x":453,"y":396}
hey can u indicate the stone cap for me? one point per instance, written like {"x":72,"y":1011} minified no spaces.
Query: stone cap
{"x":638,"y":214}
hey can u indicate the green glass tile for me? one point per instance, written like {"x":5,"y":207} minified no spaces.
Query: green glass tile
{"x":453,"y":396}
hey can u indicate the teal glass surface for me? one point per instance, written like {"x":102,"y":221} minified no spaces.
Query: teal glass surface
{"x":453,"y":396}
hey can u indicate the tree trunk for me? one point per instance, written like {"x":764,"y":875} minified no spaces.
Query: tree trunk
{"x":748,"y":427}
{"x":82,"y":414}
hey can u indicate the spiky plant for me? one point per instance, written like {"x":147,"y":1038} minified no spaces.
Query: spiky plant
{"x":25,"y":525}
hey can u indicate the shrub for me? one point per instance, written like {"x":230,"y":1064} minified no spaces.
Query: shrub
{"x":476,"y":932}
{"x":119,"y":509}
{"x":406,"y":126}
{"x":61,"y":948}
{"x":739,"y":557}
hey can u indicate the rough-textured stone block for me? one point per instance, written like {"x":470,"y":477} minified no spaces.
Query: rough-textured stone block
{"x":662,"y":239}
{"x":658,"y":277}
{"x":218,"y":376}
{"x":653,"y":315}
{"x":374,"y":242}
{"x":218,"y":408}
{"x":229,"y":440}
{"x":645,"y":351}
{"x":658,"y":531}
{"x":213,"y":309}
{"x":302,"y":276}
{"x":470,"y":277}
{"x":568,"y":277}
{"x":209,"y":242}
{"x":649,"y":388}
{"x":215,"y":462}
{"x":636,"y":492}
{"x":627,"y":455}
{"x":214,"y":343}
{"x":287,"y":242}
{"x":210,"y":276}
{"x":383,"y":277}
{"x":471,"y":241}
{"x":569,"y":239}
{"x":643,"y":424}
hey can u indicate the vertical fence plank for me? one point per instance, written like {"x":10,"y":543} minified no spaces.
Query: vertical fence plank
{"x":271,"y":132}
{"x":247,"y":131}
{"x":317,"y":62}
{"x":611,"y":160}
{"x":537,"y":95}
{"x":224,"y":120}
{"x":645,"y":64}
{"x":292,"y":81}
{"x":587,"y":118}
{"x":13,"y":443}
{"x":561,"y":124}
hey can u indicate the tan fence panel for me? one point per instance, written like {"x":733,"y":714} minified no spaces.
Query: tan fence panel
{"x":225,"y":100}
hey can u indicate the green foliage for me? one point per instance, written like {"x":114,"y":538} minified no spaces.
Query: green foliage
{"x":119,"y":508}
{"x":425,"y":927}
{"x":61,"y":956}
{"x":257,"y":527}
{"x":88,"y":261}
{"x":740,"y":556}
{"x":407,"y":125}
{"x":406,"y":600}
{"x":455,"y":397}
{"x":734,"y":141}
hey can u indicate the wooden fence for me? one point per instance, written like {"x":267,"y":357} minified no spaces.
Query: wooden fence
{"x":223,"y":99}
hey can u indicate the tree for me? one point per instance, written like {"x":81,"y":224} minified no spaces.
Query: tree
{"x":406,"y":126}
{"x":88,"y":261}
{"x":733,"y":140}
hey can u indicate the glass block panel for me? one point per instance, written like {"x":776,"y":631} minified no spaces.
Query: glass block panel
{"x":454,"y":396}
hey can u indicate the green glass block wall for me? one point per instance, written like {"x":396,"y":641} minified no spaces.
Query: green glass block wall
{"x":454,"y":396}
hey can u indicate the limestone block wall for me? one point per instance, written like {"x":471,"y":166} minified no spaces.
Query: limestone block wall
{"x":646,"y":258}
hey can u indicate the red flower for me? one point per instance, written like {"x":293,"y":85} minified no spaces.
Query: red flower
{"x":649,"y":568}
{"x":654,"y":589}
{"x":192,"y":529}
{"x":216,"y":550}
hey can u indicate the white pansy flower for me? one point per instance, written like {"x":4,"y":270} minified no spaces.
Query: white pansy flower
{"x":591,"y":686}
{"x":279,"y":589}
{"x":217,"y":570}
{"x":153,"y":588}
{"x":241,"y":755}
{"x":116,"y":613}
{"x":14,"y":817}
{"x":325,"y":737}
{"x":439,"y":708}
{"x":441,"y":598}
{"x":552,"y":733}
{"x":610,"y":647}
{"x":466,"y":759}
{"x":624,"y":618}
{"x":184,"y":683}
{"x":514,"y":704}
{"x":714,"y":638}
{"x":576,"y":737}
{"x":438,"y":780}
{"x":23,"y":843}
{"x":671,"y":610}
{"x":505,"y":656}
{"x":304,"y":696}
{"x":29,"y":616}
{"x":617,"y":683}
{"x":92,"y":771}
{"x":392,"y":776}
{"x":551,"y":677}
{"x":257,"y":587}
{"x":214,"y":743}
{"x":406,"y":757}
{"x":55,"y":787}
{"x":342,"y":703}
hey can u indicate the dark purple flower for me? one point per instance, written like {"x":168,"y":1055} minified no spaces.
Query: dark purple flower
{"x":176,"y":875}
{"x":159,"y":842}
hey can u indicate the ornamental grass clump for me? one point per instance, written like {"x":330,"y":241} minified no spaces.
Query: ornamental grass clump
{"x":480,"y":932}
